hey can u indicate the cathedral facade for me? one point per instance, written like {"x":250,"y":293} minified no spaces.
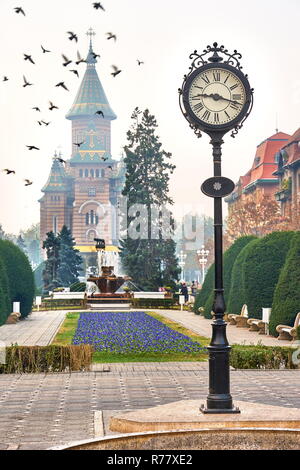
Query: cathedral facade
{"x":82,"y":192}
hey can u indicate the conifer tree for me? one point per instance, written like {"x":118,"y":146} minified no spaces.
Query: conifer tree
{"x":69,"y":259}
{"x":50,"y":272}
{"x":21,"y":244}
{"x":148,"y":170}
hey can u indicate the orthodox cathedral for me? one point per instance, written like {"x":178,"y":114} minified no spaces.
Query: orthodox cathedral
{"x":83,"y":192}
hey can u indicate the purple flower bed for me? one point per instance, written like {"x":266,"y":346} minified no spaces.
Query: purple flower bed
{"x":134,"y":332}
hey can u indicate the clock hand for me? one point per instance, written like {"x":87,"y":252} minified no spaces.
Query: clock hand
{"x":216,"y":97}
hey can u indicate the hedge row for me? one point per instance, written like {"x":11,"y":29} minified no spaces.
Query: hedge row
{"x":153,"y":303}
{"x":261,"y":357}
{"x":53,"y":358}
{"x":16,"y":280}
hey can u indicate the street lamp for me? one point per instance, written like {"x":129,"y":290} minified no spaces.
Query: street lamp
{"x":216,"y":98}
{"x":202,"y":258}
{"x":182,"y":258}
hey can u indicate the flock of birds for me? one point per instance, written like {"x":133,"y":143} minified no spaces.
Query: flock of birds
{"x":66,"y":62}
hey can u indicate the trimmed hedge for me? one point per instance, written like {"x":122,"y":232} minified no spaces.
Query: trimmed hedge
{"x":78,"y":287}
{"x":261,"y":357}
{"x":53,"y":358}
{"x":20,"y":276}
{"x":286,"y":301}
{"x":5,"y":303}
{"x":206,"y":289}
{"x":152,"y":303}
{"x":236,"y":297}
{"x":263,"y":263}
{"x":230,"y":256}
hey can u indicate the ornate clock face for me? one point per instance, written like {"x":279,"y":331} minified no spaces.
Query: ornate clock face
{"x":216,"y":96}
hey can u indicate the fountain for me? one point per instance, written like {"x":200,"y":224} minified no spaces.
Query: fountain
{"x":102,"y":289}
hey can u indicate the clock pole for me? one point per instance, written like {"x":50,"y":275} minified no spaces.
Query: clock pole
{"x":219,"y":399}
{"x":220,"y":80}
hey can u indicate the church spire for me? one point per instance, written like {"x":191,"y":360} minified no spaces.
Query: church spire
{"x":91,"y":96}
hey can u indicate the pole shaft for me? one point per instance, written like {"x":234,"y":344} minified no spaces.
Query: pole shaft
{"x":219,"y":398}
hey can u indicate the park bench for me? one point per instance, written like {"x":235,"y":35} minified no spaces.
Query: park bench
{"x":257,"y":325}
{"x":239,"y":320}
{"x":288,"y":332}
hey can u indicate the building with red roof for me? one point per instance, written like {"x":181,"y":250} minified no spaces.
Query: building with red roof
{"x":260,"y":181}
{"x":288,"y":173}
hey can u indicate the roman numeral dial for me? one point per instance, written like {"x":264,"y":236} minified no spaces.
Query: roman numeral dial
{"x":216,"y":96}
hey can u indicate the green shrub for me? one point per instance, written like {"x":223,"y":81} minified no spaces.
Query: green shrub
{"x":262,"y":266}
{"x":206,"y":289}
{"x":236,"y":297}
{"x":53,"y":358}
{"x":78,"y":287}
{"x":261,"y":357}
{"x":5,"y":303}
{"x":286,"y":301}
{"x":153,"y":303}
{"x":230,"y":256}
{"x":298,"y":332}
{"x":20,"y":276}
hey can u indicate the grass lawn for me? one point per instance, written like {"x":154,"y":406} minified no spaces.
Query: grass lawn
{"x":69,"y":326}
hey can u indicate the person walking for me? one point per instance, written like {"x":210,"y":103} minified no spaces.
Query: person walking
{"x":184,"y":291}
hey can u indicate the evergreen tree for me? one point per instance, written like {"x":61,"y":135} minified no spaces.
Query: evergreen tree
{"x":5,"y":302}
{"x":50,"y":272}
{"x":147,"y":183}
{"x":286,"y":300}
{"x":69,"y":259}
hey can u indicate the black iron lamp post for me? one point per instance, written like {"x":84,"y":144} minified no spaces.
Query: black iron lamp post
{"x":216,"y":98}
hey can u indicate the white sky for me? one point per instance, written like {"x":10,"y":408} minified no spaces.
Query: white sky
{"x":162,"y":33}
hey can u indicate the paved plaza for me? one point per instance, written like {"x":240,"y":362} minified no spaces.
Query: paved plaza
{"x":39,"y":411}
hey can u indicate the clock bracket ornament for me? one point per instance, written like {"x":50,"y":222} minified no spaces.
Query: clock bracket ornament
{"x":219,"y":57}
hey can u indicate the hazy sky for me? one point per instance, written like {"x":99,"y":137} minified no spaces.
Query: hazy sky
{"x":162,"y":33}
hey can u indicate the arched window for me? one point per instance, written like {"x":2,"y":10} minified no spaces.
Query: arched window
{"x":87,"y":218}
{"x":92,"y":173}
{"x":96,"y":220}
{"x":102,"y":173}
{"x":86,"y":173}
{"x":92,"y":217}
{"x":97,"y":173}
{"x":80,"y":173}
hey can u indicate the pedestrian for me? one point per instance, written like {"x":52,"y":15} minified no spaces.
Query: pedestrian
{"x":184,"y":291}
{"x":194,"y":288}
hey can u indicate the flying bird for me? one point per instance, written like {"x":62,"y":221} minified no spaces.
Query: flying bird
{"x":46,"y":123}
{"x":52,"y":106}
{"x":20,"y":10}
{"x":66,"y":60}
{"x":75,"y":72}
{"x":139,"y":62}
{"x":104,"y":158}
{"x":72,"y":36}
{"x":44,"y":50}
{"x":110,"y":167}
{"x":32,"y":147}
{"x":111,"y":36}
{"x":79,"y":59}
{"x":39,"y":123}
{"x":95,"y":55}
{"x":9,"y":172}
{"x":61,"y":160}
{"x":116,"y":71}
{"x":28,"y":182}
{"x":62,"y":84}
{"x":5,"y":79}
{"x":98,"y":5}
{"x":26,"y":83}
{"x":28,"y":57}
{"x":79,"y":143}
{"x":36,"y":109}
{"x":100,"y":112}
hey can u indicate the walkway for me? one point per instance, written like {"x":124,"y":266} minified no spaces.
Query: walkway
{"x":38,"y":411}
{"x":39,"y":328}
{"x":235,"y":335}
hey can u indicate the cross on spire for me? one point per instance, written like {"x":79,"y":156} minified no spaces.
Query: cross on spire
{"x":91,"y":33}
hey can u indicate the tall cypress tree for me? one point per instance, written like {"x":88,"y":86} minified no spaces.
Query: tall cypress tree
{"x":149,"y":260}
{"x":50,"y":271}
{"x":69,"y":259}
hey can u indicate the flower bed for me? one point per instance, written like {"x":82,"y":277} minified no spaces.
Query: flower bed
{"x":130,"y":332}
